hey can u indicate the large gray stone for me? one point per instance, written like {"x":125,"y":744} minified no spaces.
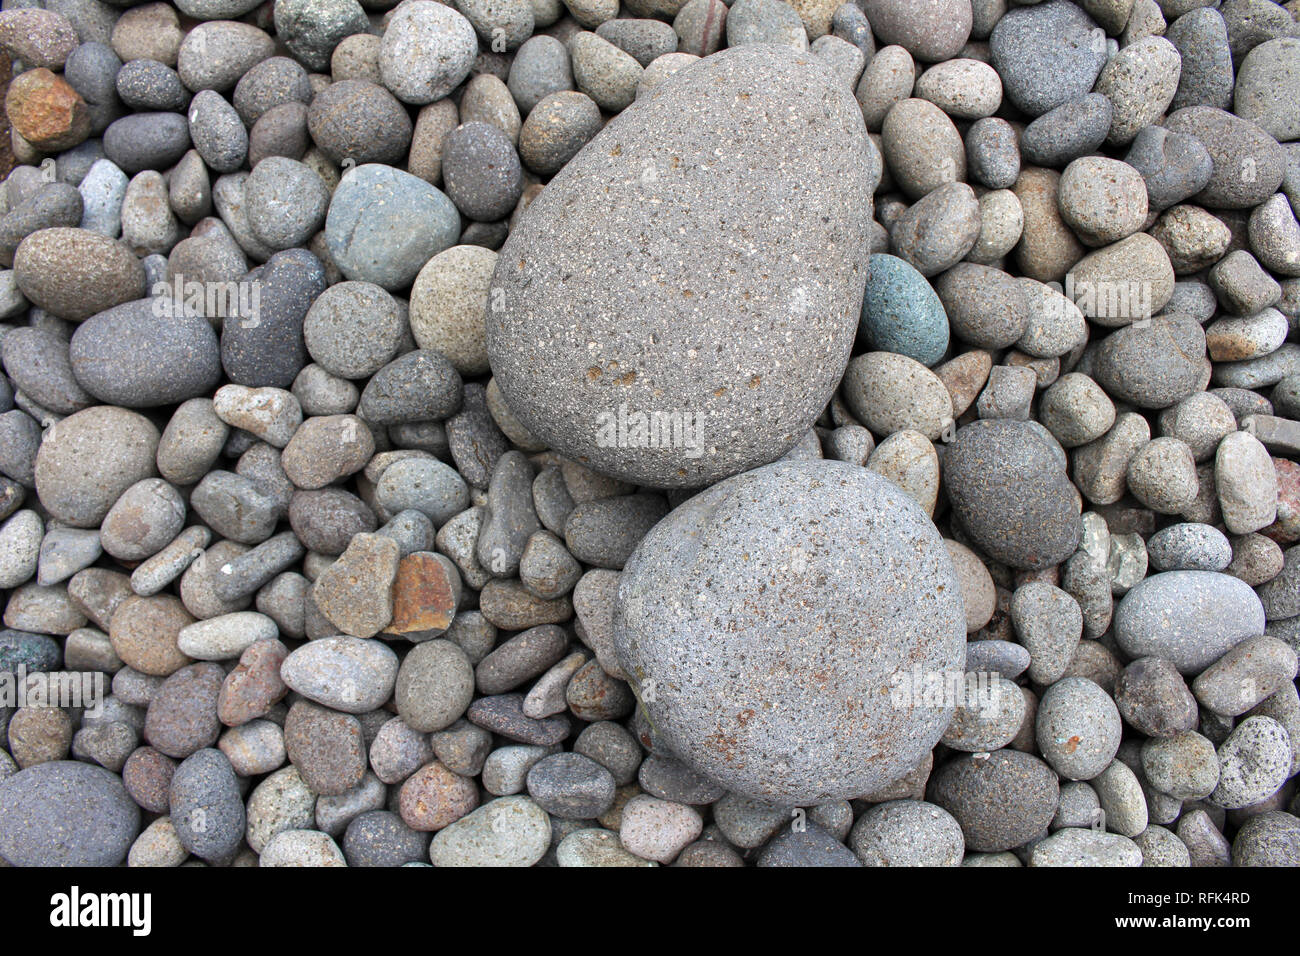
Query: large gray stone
{"x":688,"y":245}
{"x":783,"y":626}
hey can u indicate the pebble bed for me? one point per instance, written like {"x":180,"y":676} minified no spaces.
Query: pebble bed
{"x":331,"y":331}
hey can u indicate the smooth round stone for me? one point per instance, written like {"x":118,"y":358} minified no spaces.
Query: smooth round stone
{"x":1191,"y":618}
{"x":933,"y":31}
{"x":556,"y":129}
{"x":143,"y":141}
{"x":901,"y":312}
{"x":812,"y":846}
{"x":1266,"y":91}
{"x":890,"y":393}
{"x":1103,"y":200}
{"x":765,"y":22}
{"x":287,"y":202}
{"x":353,"y":329}
{"x":37,"y":362}
{"x":509,"y":831}
{"x":1047,"y":54}
{"x":427,"y":50}
{"x":907,"y":833}
{"x":269,"y":352}
{"x":558,"y":384}
{"x":991,"y":463}
{"x":144,"y":519}
{"x":1248,"y":164}
{"x":1269,"y":839}
{"x":571,"y":786}
{"x":66,"y":813}
{"x":1174,"y":166}
{"x":922,"y":147}
{"x":1253,"y":763}
{"x":1189,"y":547}
{"x":302,"y":848}
{"x":1162,"y":476}
{"x":449,"y":303}
{"x":383,"y":225}
{"x":937,"y":231}
{"x":481,"y":171}
{"x":986,"y":307}
{"x":1140,"y":81}
{"x":1068,"y":131}
{"x":434,"y":686}
{"x":359,"y":121}
{"x":312,"y":28}
{"x":143,"y":354}
{"x":350,"y":674}
{"x":75,"y":273}
{"x":1152,"y":364}
{"x":992,"y":154}
{"x":1246,"y":483}
{"x":380,"y":838}
{"x":1078,"y":728}
{"x":649,"y":617}
{"x":271,"y":83}
{"x":540,"y":67}
{"x":1001,"y":800}
{"x":1075,"y":846}
{"x":88,"y":459}
{"x":962,"y":88}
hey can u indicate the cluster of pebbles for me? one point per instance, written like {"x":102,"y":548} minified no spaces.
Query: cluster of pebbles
{"x":333,"y":532}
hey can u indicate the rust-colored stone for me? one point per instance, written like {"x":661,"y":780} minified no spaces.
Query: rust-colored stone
{"x":1286,"y":529}
{"x":46,"y":111}
{"x":425,"y":594}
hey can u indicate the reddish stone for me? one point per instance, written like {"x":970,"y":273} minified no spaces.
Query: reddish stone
{"x":253,"y":687}
{"x":434,"y":797}
{"x":46,"y":111}
{"x":1286,"y":529}
{"x":425,"y":594}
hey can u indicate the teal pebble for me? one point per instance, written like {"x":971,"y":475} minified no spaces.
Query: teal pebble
{"x":902,"y":313}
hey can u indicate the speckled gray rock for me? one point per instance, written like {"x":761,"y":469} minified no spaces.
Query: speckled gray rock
{"x":142,"y":141}
{"x":1075,"y":846}
{"x":648,"y":619}
{"x":65,"y":813}
{"x":344,"y":673}
{"x":383,"y":225}
{"x":1001,"y":799}
{"x":989,"y":464}
{"x":1248,"y":163}
{"x":1078,"y":728}
{"x":1253,"y":763}
{"x":140,"y":356}
{"x":360,"y":121}
{"x":561,"y":393}
{"x":206,"y":807}
{"x":1188,"y":617}
{"x":434,"y":686}
{"x":287,"y":202}
{"x":113,"y":445}
{"x":312,"y":28}
{"x":1046,"y":54}
{"x":1066,"y":132}
{"x":481,"y":171}
{"x":427,"y":50}
{"x":1153,"y":364}
{"x":510,"y":831}
{"x":907,"y":833}
{"x":932,"y":31}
